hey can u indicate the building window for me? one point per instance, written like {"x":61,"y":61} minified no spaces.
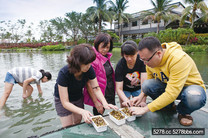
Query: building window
{"x":145,"y":22}
{"x":125,"y":37}
{"x":155,"y":21}
{"x":116,"y":26}
{"x":125,"y":25}
{"x":134,"y":36}
{"x":134,"y":23}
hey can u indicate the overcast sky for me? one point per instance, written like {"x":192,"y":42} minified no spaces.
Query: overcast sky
{"x":48,"y":9}
{"x":36,"y":10}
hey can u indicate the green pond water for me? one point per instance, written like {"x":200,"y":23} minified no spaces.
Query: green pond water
{"x":36,"y":115}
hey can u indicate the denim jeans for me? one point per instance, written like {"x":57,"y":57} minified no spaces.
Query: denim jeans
{"x":134,"y":93}
{"x":9,"y":78}
{"x":192,"y":97}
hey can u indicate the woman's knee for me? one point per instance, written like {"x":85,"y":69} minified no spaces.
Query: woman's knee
{"x":77,"y":118}
{"x":30,"y":88}
{"x":8,"y":89}
{"x":77,"y":121}
{"x":6,"y":94}
{"x":66,"y":121}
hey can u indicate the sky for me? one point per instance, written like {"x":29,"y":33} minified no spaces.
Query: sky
{"x":36,"y":10}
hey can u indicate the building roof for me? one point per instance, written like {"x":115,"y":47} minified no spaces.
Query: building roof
{"x":138,"y":14}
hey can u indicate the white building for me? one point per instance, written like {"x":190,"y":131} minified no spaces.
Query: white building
{"x":135,"y":28}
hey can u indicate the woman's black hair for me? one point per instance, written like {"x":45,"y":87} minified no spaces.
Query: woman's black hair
{"x":103,"y":38}
{"x":80,"y":54}
{"x":47,"y":74}
{"x":129,"y":48}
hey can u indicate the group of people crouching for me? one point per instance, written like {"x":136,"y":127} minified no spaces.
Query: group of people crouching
{"x":162,"y":71}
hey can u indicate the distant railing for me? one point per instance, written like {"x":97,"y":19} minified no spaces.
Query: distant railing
{"x":33,"y":45}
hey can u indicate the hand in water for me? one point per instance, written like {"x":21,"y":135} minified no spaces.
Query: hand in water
{"x":24,"y":96}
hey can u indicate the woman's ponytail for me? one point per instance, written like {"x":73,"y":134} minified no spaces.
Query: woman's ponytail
{"x":47,"y":74}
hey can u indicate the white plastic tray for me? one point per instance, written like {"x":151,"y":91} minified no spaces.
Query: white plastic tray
{"x":118,"y":122}
{"x":128,"y":118}
{"x":100,"y":128}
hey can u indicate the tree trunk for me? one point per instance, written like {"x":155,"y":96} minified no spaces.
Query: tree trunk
{"x":158,"y":25}
{"x":86,"y":39}
{"x":192,"y":22}
{"x":187,"y":39}
{"x":119,"y":32}
{"x":99,"y":26}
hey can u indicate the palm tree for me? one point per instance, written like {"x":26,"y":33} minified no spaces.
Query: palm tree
{"x":43,"y":25}
{"x":99,"y":11}
{"x":72,"y":22}
{"x":86,"y":27}
{"x":190,"y":11}
{"x":29,"y":35}
{"x":160,"y":11}
{"x":59,"y":26}
{"x":93,"y":21}
{"x":111,"y":13}
{"x":22,"y":22}
{"x":119,"y":7}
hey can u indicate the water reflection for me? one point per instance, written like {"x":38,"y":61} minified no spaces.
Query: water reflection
{"x":202,"y":64}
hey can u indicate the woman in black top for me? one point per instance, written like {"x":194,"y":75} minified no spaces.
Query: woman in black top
{"x":69,"y":86}
{"x":129,"y":74}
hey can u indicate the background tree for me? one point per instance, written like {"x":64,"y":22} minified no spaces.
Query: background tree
{"x":112,"y":16}
{"x":59,"y":27}
{"x":29,"y":35}
{"x":72,"y":23}
{"x":94,"y":21}
{"x":99,"y":12}
{"x":86,"y":27}
{"x":22,"y":22}
{"x":162,"y":10}
{"x":119,"y":7}
{"x":190,"y":12}
{"x":47,"y":34}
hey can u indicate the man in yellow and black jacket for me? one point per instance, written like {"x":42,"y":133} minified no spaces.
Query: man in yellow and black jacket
{"x":171,"y":75}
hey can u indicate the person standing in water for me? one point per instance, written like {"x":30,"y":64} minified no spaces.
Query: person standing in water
{"x":24,"y":76}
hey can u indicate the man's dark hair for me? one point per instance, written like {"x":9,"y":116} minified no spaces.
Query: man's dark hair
{"x":129,"y":48}
{"x":80,"y":54}
{"x":151,"y":43}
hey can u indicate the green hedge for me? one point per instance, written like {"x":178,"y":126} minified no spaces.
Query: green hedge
{"x":117,"y":44}
{"x":80,"y":41}
{"x":193,"y":48}
{"x":180,"y":35}
{"x":53,"y":48}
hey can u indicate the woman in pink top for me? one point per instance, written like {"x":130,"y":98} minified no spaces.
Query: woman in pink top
{"x":104,"y":72}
